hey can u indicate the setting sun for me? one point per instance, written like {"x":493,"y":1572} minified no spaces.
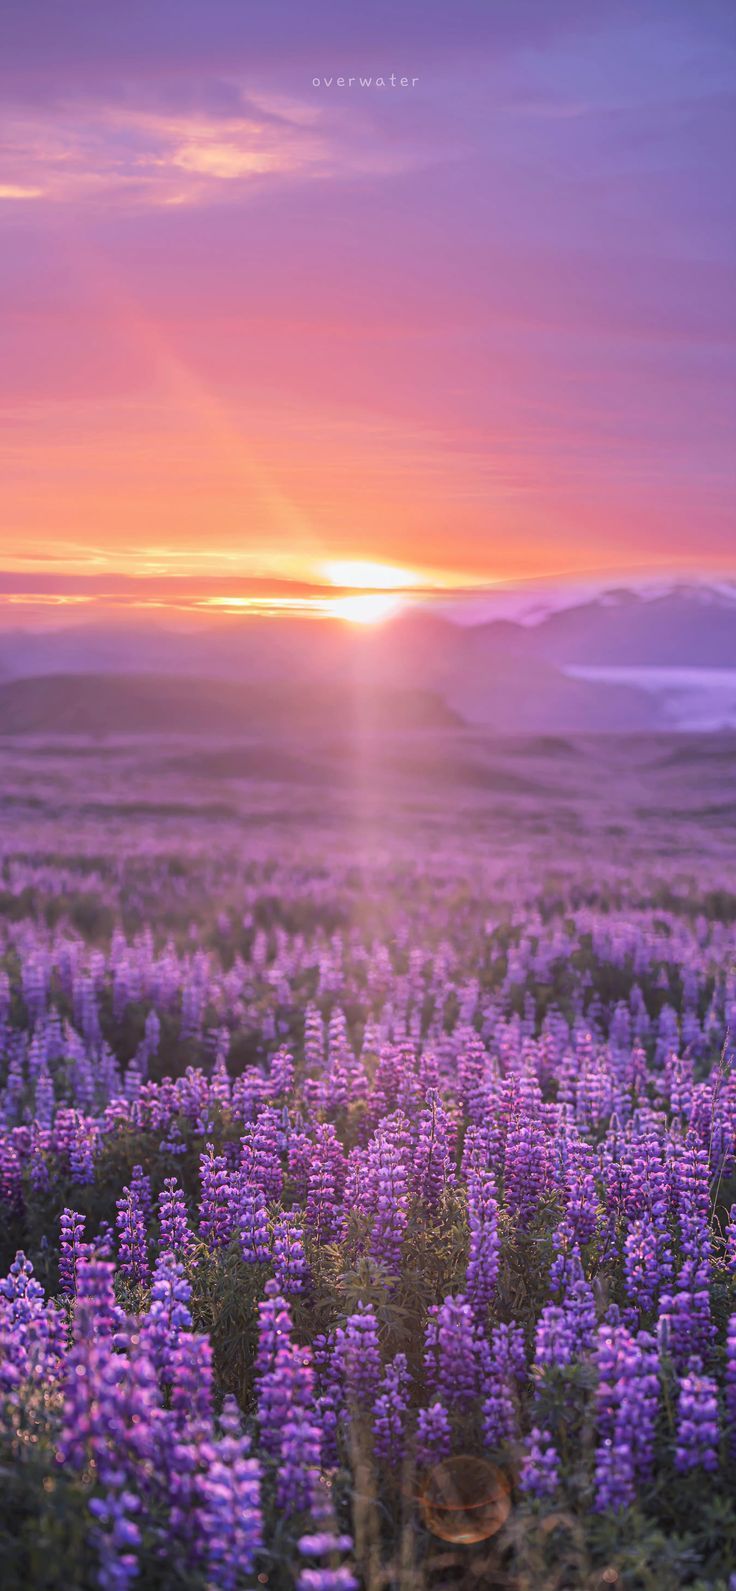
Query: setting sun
{"x":369,"y":609}
{"x":365,"y":572}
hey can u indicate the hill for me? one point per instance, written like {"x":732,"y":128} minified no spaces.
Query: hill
{"x":687,"y":626}
{"x":143,"y":704}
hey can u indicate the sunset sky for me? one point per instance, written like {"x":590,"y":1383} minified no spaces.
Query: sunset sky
{"x":254,"y":330}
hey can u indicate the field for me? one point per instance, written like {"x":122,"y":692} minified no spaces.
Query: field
{"x":368,"y":1163}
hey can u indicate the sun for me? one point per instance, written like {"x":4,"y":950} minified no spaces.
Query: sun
{"x":372,"y":607}
{"x":371,"y":589}
{"x":370,"y":574}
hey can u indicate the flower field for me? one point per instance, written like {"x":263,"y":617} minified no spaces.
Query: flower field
{"x":365,"y":1223}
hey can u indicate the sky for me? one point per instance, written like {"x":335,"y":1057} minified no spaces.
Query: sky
{"x":267,"y":334}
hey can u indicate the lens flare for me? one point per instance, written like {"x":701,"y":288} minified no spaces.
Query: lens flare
{"x":465,"y":1499}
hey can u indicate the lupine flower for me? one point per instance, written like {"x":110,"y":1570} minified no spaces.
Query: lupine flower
{"x":540,"y":1468}
{"x":335,"y":1577}
{"x":731,"y":1383}
{"x":330,"y":1402}
{"x":432,"y":1161}
{"x":579,"y":1309}
{"x":141,"y":1186}
{"x":285,"y":1397}
{"x":359,"y":1357}
{"x":340,"y":1579}
{"x":117,"y":1538}
{"x":608,"y":1133}
{"x":168,"y":1313}
{"x":260,"y":1160}
{"x":298,"y":1479}
{"x":685,"y":1315}
{"x":525,"y":1161}
{"x":326,"y":1170}
{"x":132,"y":1245}
{"x":500,"y":1414}
{"x":252,"y":1222}
{"x":72,"y":1249}
{"x":96,"y":1313}
{"x":647,"y":1262}
{"x":290,"y":1265}
{"x":229,"y":1505}
{"x":433,"y":1441}
{"x":176,"y":1236}
{"x":555,"y":1337}
{"x":627,"y":1401}
{"x":506,"y":1369}
{"x":485,"y":1245}
{"x":390,"y":1412}
{"x":286,"y":1412}
{"x":388,"y":1154}
{"x":697,"y":1421}
{"x":32,"y":1332}
{"x":218,"y":1204}
{"x":450,"y":1351}
{"x":191,"y":1396}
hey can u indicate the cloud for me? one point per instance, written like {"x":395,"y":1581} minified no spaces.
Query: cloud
{"x":108,"y":152}
{"x":15,"y":190}
{"x":141,"y":156}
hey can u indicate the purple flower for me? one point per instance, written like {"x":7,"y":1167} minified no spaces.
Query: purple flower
{"x":697,"y":1421}
{"x":731,"y":1383}
{"x":450,"y":1351}
{"x":252,"y":1221}
{"x":290,"y":1265}
{"x":298,"y":1477}
{"x":390,"y":1412}
{"x":132,"y":1244}
{"x":432,"y":1167}
{"x":525,"y":1157}
{"x":168,"y":1314}
{"x":540,"y":1468}
{"x":388,"y":1182}
{"x":506,"y":1368}
{"x":647,"y":1262}
{"x":359,"y":1358}
{"x":32,"y":1332}
{"x":685,"y":1321}
{"x":340,"y":1579}
{"x":218,"y":1204}
{"x":326,"y":1170}
{"x":555,"y":1338}
{"x":72,"y":1249}
{"x":285,"y":1405}
{"x":229,"y":1504}
{"x":434,"y":1440}
{"x":117,"y":1538}
{"x":627,"y":1401}
{"x":260,"y":1160}
{"x":191,"y":1377}
{"x":485,"y":1244}
{"x":176,"y":1236}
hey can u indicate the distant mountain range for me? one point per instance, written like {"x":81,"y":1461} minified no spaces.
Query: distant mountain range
{"x":142,"y":704}
{"x":419,"y":670}
{"x":686,"y":626}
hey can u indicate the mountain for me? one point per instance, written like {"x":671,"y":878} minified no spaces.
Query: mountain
{"x":687,"y":626}
{"x":415,"y":670}
{"x":143,"y":704}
